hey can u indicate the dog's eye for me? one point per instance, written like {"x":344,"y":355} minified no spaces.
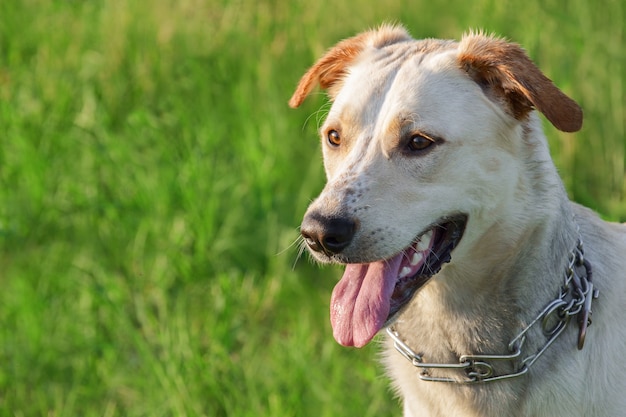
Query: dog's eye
{"x":420,"y":142}
{"x":333,"y":138}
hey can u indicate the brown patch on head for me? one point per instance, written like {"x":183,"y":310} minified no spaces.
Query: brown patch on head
{"x":504,"y":71}
{"x":333,"y":66}
{"x":394,"y":127}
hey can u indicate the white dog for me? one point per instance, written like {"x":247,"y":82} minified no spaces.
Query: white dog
{"x":457,"y":234}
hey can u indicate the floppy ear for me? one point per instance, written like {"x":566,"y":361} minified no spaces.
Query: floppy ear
{"x":329,"y":71}
{"x":504,"y":71}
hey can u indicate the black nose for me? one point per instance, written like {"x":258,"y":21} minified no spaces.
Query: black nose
{"x":325,"y":234}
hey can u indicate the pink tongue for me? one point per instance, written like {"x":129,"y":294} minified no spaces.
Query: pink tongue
{"x":360,"y":302}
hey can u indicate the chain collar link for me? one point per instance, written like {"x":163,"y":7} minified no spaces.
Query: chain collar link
{"x":574,"y":299}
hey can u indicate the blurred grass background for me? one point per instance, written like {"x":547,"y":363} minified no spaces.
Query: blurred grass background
{"x":152,"y":180}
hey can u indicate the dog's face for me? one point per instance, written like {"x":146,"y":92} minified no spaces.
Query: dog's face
{"x":410,"y":141}
{"x":422,"y":149}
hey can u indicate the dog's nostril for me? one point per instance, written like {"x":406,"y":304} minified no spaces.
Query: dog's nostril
{"x":330,"y":235}
{"x":312,"y":242}
{"x":336,"y":243}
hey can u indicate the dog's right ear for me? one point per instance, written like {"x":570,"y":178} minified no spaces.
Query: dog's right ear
{"x":329,"y":70}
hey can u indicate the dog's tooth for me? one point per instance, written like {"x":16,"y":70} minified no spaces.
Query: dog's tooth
{"x":417,"y":258}
{"x":404,"y":272}
{"x":424,"y":242}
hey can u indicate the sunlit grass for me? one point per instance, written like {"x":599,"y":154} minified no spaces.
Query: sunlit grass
{"x":152,"y":179}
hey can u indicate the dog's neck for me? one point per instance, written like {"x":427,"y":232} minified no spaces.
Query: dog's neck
{"x":574,"y":298}
{"x":508,"y":274}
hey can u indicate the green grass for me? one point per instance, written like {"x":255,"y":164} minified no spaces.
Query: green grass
{"x":152,"y":180}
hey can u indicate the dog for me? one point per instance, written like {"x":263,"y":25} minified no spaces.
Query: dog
{"x":459,"y":242}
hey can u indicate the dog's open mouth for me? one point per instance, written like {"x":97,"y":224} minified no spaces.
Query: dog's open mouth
{"x":371,"y":295}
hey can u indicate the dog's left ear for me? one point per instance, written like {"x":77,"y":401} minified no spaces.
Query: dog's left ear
{"x":329,"y":70}
{"x":504,"y":70}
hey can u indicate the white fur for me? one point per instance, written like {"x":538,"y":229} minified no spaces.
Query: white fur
{"x":495,"y":166}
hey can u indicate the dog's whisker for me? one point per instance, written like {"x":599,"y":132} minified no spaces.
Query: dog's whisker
{"x":300,"y":244}
{"x":295,"y":242}
{"x":301,"y":248}
{"x":319,"y":114}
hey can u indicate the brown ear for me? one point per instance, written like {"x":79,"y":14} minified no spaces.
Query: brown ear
{"x":332,"y":67}
{"x":504,"y":69}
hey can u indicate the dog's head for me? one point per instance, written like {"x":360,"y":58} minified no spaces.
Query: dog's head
{"x":423,"y":141}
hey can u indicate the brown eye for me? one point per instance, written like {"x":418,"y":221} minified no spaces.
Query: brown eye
{"x":333,"y":138}
{"x":420,"y":142}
